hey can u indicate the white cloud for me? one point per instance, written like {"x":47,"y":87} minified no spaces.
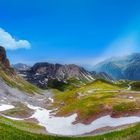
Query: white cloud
{"x":10,"y":43}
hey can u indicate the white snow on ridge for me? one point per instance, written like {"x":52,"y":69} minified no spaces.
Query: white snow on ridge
{"x":86,"y":77}
{"x":90,"y":77}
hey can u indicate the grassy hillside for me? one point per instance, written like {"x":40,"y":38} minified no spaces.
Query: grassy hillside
{"x":13,"y":130}
{"x":13,"y":80}
{"x":68,"y":85}
{"x":96,"y":99}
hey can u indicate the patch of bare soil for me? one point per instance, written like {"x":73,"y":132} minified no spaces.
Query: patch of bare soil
{"x":93,"y":117}
{"x":126,"y":113}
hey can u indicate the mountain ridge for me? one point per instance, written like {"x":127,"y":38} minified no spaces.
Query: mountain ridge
{"x":43,"y":72}
{"x":126,"y":67}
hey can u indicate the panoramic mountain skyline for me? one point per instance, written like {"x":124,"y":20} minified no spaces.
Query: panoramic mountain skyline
{"x":83,"y":32}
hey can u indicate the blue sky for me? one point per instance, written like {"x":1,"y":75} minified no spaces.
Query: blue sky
{"x":69,"y":31}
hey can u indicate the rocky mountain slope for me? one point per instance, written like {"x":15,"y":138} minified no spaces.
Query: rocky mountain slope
{"x":102,"y":75}
{"x":9,"y":77}
{"x":53,"y":75}
{"x":126,"y":67}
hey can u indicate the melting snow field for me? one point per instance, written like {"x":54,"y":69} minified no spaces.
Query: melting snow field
{"x":4,"y":107}
{"x":64,"y":126}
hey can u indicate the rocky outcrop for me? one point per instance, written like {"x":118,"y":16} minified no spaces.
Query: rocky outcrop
{"x":3,"y":58}
{"x":41,"y":73}
{"x":44,"y":74}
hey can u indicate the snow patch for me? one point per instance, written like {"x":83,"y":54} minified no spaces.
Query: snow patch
{"x":129,"y":87}
{"x":65,"y":126}
{"x":51,"y":99}
{"x":4,"y":107}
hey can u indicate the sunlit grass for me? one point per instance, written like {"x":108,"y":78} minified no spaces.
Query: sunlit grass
{"x":95,"y":98}
{"x":17,"y":82}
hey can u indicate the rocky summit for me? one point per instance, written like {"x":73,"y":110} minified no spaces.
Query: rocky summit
{"x":41,"y":74}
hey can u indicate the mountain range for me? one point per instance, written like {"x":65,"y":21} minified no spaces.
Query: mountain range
{"x":116,"y":68}
{"x":43,"y":73}
{"x":126,"y":67}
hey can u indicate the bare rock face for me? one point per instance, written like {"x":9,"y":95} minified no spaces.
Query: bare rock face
{"x":3,"y":58}
{"x":5,"y":63}
{"x":44,"y":74}
{"x":61,"y":72}
{"x":2,"y":54}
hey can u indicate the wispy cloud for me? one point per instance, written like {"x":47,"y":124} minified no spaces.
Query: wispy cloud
{"x":122,"y":46}
{"x":10,"y":43}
